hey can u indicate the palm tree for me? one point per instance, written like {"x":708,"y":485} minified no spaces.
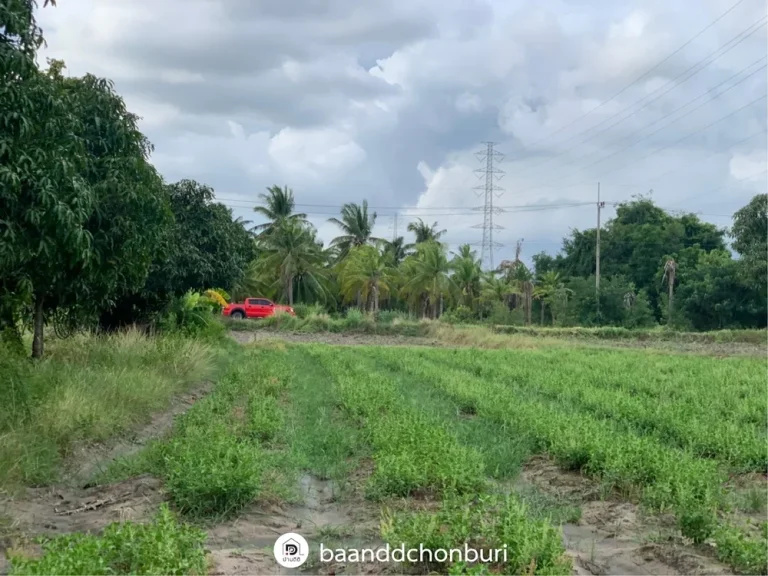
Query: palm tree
{"x":278,"y":206}
{"x":428,"y":276}
{"x":497,"y":289}
{"x":290,"y":252}
{"x":357,"y":226}
{"x":366,"y":272}
{"x":396,"y":250}
{"x":550,"y":290}
{"x":424,"y":232}
{"x":466,"y":275}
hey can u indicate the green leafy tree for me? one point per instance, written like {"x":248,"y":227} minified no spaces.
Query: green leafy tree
{"x":466,"y":267}
{"x":44,"y":201}
{"x":204,"y":247}
{"x":716,"y":294}
{"x":131,"y":212}
{"x":750,"y":240}
{"x":83,"y":208}
{"x":634,"y":243}
{"x":396,"y":250}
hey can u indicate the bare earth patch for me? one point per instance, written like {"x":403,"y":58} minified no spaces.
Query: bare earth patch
{"x":244,"y":545}
{"x":333,"y":338}
{"x":612,"y":536}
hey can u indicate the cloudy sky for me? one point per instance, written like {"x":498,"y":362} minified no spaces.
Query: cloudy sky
{"x":389,"y":101}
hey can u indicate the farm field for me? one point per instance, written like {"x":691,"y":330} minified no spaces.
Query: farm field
{"x":577,"y":459}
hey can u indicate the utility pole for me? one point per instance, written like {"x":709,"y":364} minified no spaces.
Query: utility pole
{"x":600,"y":205}
{"x":488,"y":190}
{"x":394,"y":227}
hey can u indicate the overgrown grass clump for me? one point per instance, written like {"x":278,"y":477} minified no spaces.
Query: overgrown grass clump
{"x":485,"y":524}
{"x":87,"y":389}
{"x":163,"y":546}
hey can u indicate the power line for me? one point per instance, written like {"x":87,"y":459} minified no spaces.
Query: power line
{"x":735,"y":41}
{"x":642,"y":76}
{"x":668,"y":145}
{"x":678,"y":109}
{"x":625,"y":148}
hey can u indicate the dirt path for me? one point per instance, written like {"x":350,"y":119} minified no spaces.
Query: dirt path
{"x":344,"y":339}
{"x":719,"y":349}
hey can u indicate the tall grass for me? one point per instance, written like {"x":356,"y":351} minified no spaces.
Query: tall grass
{"x":89,"y":388}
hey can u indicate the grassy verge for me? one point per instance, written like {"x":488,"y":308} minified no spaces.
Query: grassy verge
{"x":658,"y":334}
{"x":87,"y":389}
{"x":318,"y":323}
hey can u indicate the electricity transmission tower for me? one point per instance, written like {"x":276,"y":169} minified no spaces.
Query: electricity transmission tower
{"x":489,"y":189}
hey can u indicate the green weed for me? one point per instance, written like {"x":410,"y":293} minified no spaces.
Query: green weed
{"x":487,"y":524}
{"x":163,"y":546}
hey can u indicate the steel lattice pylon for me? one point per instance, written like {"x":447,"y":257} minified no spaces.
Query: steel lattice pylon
{"x":488,"y":189}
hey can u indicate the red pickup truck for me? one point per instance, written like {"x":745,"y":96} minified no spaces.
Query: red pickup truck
{"x":255,"y":308}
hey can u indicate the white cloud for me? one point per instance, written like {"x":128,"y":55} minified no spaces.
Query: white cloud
{"x":389,"y":101}
{"x":314,"y":154}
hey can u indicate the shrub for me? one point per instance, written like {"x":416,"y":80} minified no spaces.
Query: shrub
{"x":192,"y":315}
{"x":209,"y":472}
{"x":163,"y":546}
{"x":460,"y":315}
{"x":353,"y":317}
{"x":308,"y":310}
{"x":391,"y":316}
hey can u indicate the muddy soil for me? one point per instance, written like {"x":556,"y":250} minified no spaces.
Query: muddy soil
{"x":245,"y":545}
{"x":53,"y":511}
{"x":613,"y":536}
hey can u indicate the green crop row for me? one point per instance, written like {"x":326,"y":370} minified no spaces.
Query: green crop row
{"x":669,"y":478}
{"x":697,"y":428}
{"x":490,"y":527}
{"x":413,"y":453}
